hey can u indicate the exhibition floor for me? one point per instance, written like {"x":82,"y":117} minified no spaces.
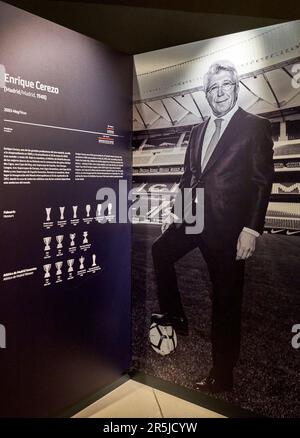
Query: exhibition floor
{"x":135,"y":400}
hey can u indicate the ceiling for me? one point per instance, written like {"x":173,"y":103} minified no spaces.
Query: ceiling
{"x":140,"y":26}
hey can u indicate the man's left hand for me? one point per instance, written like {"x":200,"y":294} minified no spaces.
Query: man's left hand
{"x":245,"y":245}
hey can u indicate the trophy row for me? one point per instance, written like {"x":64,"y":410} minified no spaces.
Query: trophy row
{"x":75,"y":209}
{"x":70,"y":264}
{"x":60,"y":238}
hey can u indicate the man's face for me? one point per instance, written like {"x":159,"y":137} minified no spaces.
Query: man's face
{"x":222,"y":92}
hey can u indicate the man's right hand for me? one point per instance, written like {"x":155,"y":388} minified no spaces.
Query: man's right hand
{"x":168,"y":222}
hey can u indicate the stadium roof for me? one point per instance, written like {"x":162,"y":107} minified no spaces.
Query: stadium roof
{"x":169,"y":85}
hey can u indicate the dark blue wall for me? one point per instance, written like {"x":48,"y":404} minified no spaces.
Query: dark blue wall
{"x":67,"y":340}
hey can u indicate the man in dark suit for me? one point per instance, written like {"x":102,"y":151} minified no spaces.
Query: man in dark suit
{"x":230,"y":156}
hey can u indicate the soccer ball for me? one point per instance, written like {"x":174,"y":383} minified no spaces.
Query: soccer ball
{"x":162,"y":338}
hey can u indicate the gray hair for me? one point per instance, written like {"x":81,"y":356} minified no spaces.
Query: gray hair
{"x":216,"y":67}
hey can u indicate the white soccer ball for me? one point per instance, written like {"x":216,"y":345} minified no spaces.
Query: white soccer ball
{"x":162,"y":338}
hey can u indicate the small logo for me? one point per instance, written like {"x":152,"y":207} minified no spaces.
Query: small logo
{"x":2,"y":336}
{"x":47,"y":270}
{"x":110,"y":129}
{"x":289,"y":233}
{"x":106,"y":139}
{"x":276,"y":231}
{"x":296,"y":338}
{"x":81,"y":261}
{"x":75,"y":207}
{"x":70,"y":263}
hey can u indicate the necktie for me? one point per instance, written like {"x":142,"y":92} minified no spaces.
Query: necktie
{"x":213,"y":142}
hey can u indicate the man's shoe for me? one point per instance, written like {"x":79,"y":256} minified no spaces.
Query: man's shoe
{"x":179,"y":323}
{"x":211,"y":384}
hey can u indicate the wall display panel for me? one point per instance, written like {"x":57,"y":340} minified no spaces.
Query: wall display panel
{"x":235,"y":316}
{"x":65,"y":261}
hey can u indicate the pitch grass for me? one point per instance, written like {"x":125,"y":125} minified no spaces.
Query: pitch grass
{"x":267,"y":378}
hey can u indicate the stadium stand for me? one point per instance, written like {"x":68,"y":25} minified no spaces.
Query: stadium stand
{"x":293,"y":129}
{"x":287,"y":149}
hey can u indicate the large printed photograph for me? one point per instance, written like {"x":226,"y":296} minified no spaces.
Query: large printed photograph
{"x":217,"y":310}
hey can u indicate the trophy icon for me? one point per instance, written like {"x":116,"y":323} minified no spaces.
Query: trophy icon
{"x":48,"y":212}
{"x":88,"y":210}
{"x":59,"y":240}
{"x":47,"y":270}
{"x":72,"y":237}
{"x":94,"y":260}
{"x":70,"y":263}
{"x":99,"y":208}
{"x":47,"y":241}
{"x":85,"y":239}
{"x":109,"y":206}
{"x":81,"y":260}
{"x":58,"y":266}
{"x":75,"y":211}
{"x":62,"y":212}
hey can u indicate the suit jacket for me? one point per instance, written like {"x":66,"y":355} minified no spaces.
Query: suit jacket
{"x":237,"y":179}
